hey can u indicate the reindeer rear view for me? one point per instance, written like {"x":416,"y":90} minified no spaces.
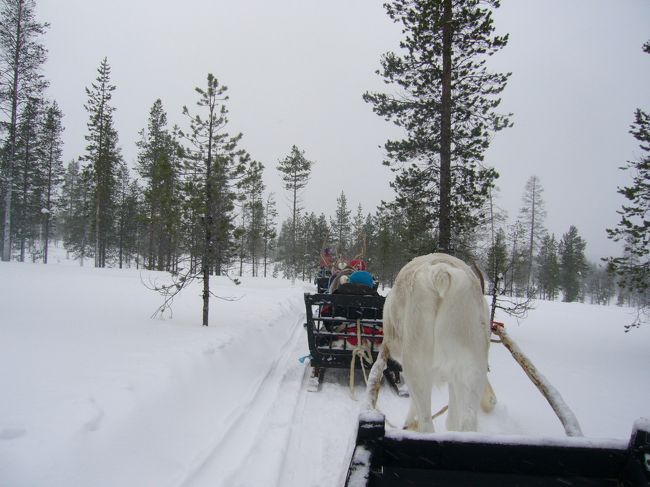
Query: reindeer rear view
{"x":436,"y":324}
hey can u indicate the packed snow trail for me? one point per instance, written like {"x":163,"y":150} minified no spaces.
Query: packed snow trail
{"x":257,"y":427}
{"x":284,"y":435}
{"x":323,"y":433}
{"x":99,"y":394}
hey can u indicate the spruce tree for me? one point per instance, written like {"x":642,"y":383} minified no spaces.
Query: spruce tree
{"x":159,"y":167}
{"x":76,"y":210}
{"x":415,"y":202}
{"x":269,"y":232}
{"x":21,"y":59}
{"x":573,"y":264}
{"x":104,"y":162}
{"x":318,"y":235}
{"x":295,"y":170}
{"x":497,"y":258}
{"x":446,"y":103}
{"x":129,"y":216}
{"x":28,"y":178}
{"x":359,"y":239}
{"x":388,"y":255}
{"x":341,"y":226}
{"x":285,"y":248}
{"x":252,"y":190}
{"x":516,"y":275}
{"x":548,"y":273}
{"x":52,"y":150}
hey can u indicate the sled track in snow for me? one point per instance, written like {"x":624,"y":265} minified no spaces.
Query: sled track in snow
{"x":229,"y":460}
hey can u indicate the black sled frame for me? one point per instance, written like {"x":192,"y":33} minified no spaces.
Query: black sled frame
{"x":331,"y":325}
{"x":383,"y":459}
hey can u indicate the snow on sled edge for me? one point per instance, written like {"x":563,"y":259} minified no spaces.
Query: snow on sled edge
{"x":392,"y":458}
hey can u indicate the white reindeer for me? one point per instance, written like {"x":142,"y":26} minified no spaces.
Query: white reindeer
{"x":436,"y":324}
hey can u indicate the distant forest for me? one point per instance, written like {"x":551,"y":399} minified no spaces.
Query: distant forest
{"x":195,"y":203}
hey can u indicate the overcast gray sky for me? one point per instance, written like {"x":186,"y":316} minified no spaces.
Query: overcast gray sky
{"x":296,"y":70}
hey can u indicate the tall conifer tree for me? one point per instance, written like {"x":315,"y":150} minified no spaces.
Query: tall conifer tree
{"x":21,"y":59}
{"x":341,"y":226}
{"x":212,"y":164}
{"x":573,"y":264}
{"x":52,"y":167}
{"x":159,"y":167}
{"x":548,"y":268}
{"x":295,"y":170}
{"x":633,"y":267}
{"x":446,"y":103}
{"x":532,"y":215}
{"x":252,"y":188}
{"x":269,"y":232}
{"x":104,"y":160}
{"x":28,"y":181}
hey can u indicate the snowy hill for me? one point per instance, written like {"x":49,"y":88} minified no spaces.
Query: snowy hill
{"x":95,"y":392}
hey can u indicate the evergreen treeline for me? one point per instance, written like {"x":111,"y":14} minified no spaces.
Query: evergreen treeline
{"x":195,"y":203}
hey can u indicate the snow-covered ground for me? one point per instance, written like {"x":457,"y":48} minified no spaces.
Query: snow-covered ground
{"x":95,"y":392}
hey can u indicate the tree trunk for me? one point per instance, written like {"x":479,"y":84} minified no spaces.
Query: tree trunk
{"x":293,"y":232}
{"x":207,"y":251}
{"x":266,"y":247}
{"x":48,"y":208}
{"x":532,"y":237}
{"x":444,"y":222}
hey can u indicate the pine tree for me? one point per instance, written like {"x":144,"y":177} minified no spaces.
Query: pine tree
{"x":497,"y":258}
{"x":29,"y":184}
{"x":252,"y":189}
{"x":633,"y":268}
{"x":573,"y":264}
{"x":369,"y":233}
{"x":104,"y":158}
{"x":76,"y":210}
{"x":212,"y":164}
{"x":158,"y":166}
{"x":295,"y":170}
{"x":548,"y":268}
{"x":446,"y":103}
{"x":341,"y":230}
{"x":415,"y":201}
{"x":516,"y":275}
{"x":318,"y":234}
{"x":21,"y":59}
{"x":269,"y":232}
{"x":388,"y":255}
{"x":285,"y":249}
{"x":52,"y":149}
{"x":494,"y":224}
{"x":359,"y":238}
{"x":128,"y":213}
{"x":532,"y":215}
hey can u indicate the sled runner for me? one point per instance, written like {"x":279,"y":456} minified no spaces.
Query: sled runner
{"x":345,"y":331}
{"x":398,"y":458}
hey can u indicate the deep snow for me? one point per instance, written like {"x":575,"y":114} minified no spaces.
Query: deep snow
{"x":95,"y":392}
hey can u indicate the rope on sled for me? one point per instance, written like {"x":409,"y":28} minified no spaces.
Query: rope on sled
{"x":363,"y":354}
